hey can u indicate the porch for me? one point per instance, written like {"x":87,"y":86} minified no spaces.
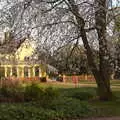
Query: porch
{"x":22,"y":69}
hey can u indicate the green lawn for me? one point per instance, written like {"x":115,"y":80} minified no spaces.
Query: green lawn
{"x":111,"y":108}
{"x":71,"y":103}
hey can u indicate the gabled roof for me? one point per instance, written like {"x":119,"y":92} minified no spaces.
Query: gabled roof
{"x":11,"y":46}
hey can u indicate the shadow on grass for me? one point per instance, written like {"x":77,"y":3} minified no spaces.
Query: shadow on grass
{"x":82,"y":93}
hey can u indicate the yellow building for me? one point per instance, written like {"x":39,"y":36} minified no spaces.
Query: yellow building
{"x":17,"y":59}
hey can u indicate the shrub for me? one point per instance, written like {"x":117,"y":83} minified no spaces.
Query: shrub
{"x":10,"y":83}
{"x":43,"y":96}
{"x":60,"y":109}
{"x":32,"y":92}
{"x":25,"y":112}
{"x":82,"y":95}
{"x":47,"y":96}
{"x":43,"y":79}
{"x":71,"y":108}
{"x":43,"y":104}
{"x":11,"y":91}
{"x":79,"y":93}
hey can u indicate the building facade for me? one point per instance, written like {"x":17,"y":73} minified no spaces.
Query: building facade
{"x":17,"y":59}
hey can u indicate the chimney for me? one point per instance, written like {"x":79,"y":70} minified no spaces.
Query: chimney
{"x":7,"y":35}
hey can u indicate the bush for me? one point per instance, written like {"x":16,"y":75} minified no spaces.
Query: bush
{"x":60,"y":109}
{"x":9,"y":83}
{"x":32,"y":92}
{"x":41,"y":103}
{"x":43,"y":96}
{"x":43,"y":79}
{"x":25,"y":112}
{"x":17,"y":93}
{"x":71,"y":108}
{"x":79,"y":93}
{"x":11,"y":91}
{"x":82,"y":95}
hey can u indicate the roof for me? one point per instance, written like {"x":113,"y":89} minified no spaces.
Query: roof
{"x":51,"y":68}
{"x":11,"y":46}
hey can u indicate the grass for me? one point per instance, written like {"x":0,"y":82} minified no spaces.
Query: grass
{"x":111,"y":108}
{"x":72,"y":103}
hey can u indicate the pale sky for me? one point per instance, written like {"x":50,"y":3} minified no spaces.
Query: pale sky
{"x":116,"y":2}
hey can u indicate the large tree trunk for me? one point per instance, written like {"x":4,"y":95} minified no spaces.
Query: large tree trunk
{"x":117,"y":64}
{"x":104,"y":55}
{"x":101,"y":74}
{"x":104,"y":90}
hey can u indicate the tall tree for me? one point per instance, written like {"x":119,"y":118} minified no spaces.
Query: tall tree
{"x":101,"y":72}
{"x":70,"y":59}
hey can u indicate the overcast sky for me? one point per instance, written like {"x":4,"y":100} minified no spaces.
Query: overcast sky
{"x":116,"y":2}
